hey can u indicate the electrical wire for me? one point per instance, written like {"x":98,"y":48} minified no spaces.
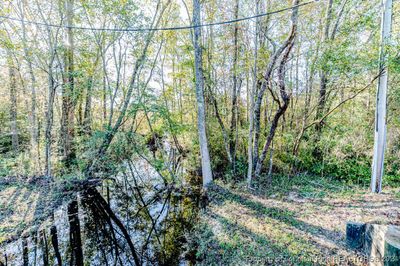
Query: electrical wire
{"x":158,"y":29}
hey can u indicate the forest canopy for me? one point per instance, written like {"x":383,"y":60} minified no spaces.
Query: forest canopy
{"x":77,"y":80}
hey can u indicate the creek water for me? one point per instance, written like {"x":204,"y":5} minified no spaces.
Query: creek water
{"x":137,"y":217}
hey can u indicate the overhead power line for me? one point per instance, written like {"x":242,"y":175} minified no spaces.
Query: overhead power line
{"x":158,"y":29}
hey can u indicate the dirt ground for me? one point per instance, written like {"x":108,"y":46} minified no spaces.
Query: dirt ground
{"x":306,"y":226}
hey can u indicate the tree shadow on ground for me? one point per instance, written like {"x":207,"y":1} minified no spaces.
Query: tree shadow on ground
{"x":24,"y":207}
{"x":11,"y":199}
{"x":250,"y":248}
{"x":17,"y":198}
{"x":47,"y":201}
{"x":219,"y":195}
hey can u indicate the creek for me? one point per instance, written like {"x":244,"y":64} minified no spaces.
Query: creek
{"x":135,"y":218}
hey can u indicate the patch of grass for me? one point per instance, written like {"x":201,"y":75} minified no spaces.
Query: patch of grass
{"x":224,"y":240}
{"x":307,"y":186}
{"x":293,"y":221}
{"x":239,"y":230}
{"x":258,"y":208}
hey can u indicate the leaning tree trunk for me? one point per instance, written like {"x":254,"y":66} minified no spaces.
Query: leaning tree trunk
{"x":54,"y":242}
{"x":210,"y":76}
{"x":91,"y":167}
{"x":286,"y":46}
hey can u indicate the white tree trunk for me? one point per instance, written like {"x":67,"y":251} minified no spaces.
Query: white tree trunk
{"x":381,"y":100}
{"x":201,"y":123}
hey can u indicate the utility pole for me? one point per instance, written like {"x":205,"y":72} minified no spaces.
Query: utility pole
{"x":381,"y":101}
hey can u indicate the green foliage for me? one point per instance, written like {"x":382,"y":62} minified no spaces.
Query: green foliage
{"x":15,"y":165}
{"x":352,"y":168}
{"x":7,"y":166}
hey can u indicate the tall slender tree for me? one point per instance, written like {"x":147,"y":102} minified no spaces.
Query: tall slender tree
{"x":324,"y":73}
{"x":68,"y":93}
{"x":235,"y":93}
{"x":13,"y":101}
{"x":35,"y":153}
{"x":199,"y":84}
{"x":251,"y":102}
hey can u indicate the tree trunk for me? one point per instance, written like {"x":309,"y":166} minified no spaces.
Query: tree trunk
{"x":45,"y":248}
{"x":87,"y":119}
{"x":201,"y":119}
{"x":251,"y":100}
{"x":91,"y":167}
{"x":234,"y":111}
{"x":68,"y":93}
{"x":287,"y":45}
{"x":35,"y":153}
{"x":212,"y":79}
{"x":49,"y":120}
{"x":13,"y":106}
{"x":222,"y":126}
{"x":324,"y":72}
{"x":25,"y":252}
{"x":271,"y":136}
